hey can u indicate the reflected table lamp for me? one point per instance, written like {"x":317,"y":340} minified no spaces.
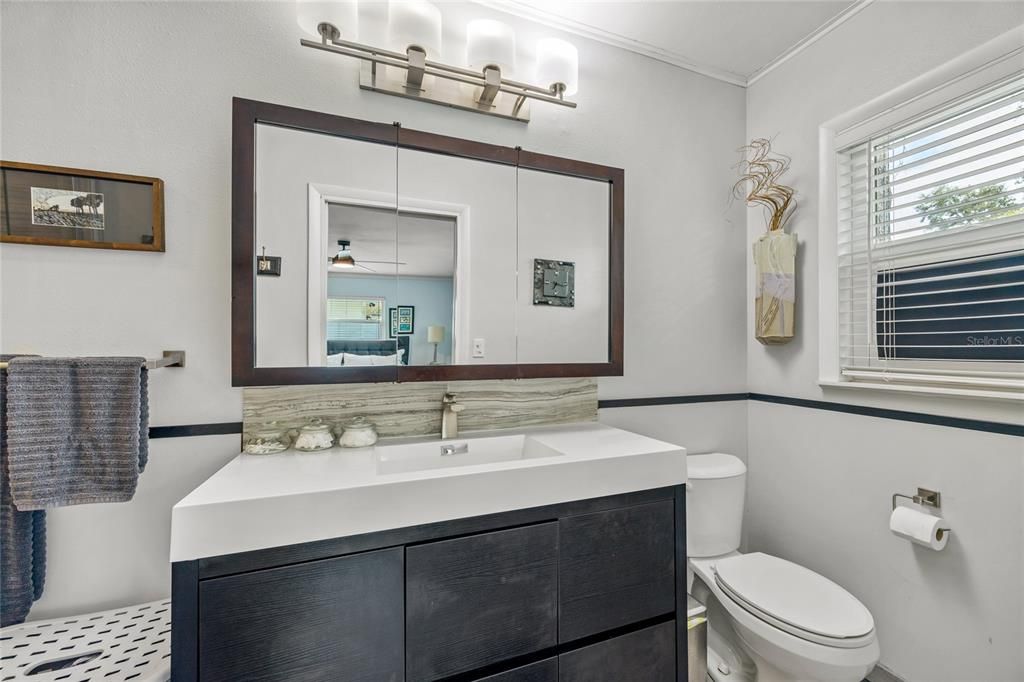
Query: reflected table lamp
{"x":435,"y":335}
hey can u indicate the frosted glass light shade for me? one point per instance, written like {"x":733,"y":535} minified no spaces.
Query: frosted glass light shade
{"x":344,"y":14}
{"x":558,"y":62}
{"x":435,"y":334}
{"x":490,"y":42}
{"x":414,"y":22}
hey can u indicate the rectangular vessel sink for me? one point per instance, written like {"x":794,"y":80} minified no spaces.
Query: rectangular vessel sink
{"x":260,"y":501}
{"x":396,"y":459}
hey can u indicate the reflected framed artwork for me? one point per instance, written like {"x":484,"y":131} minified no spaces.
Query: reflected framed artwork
{"x":55,"y":206}
{"x":402,"y":321}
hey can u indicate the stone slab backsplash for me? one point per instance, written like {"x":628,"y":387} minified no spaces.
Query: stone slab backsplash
{"x":414,"y":409}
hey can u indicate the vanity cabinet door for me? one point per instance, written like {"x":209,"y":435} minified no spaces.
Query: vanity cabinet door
{"x":647,"y":655}
{"x":337,"y":620}
{"x":477,"y":600}
{"x":541,"y":671}
{"x":615,"y":568}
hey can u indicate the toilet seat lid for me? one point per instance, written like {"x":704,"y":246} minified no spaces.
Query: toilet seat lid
{"x":792,"y":597}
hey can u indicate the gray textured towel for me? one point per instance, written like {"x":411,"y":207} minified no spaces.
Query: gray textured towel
{"x":22,"y":540}
{"x":77,"y":430}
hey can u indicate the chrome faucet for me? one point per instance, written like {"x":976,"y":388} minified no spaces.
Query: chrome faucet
{"x":450,"y":416}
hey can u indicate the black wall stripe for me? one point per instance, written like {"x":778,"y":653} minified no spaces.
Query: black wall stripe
{"x":900,"y":415}
{"x":672,"y":400}
{"x":227,"y":428}
{"x":184,"y":430}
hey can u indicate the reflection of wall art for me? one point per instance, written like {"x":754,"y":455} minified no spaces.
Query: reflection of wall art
{"x":371,"y":311}
{"x":402,"y":320}
{"x":56,"y":206}
{"x":554,"y":283}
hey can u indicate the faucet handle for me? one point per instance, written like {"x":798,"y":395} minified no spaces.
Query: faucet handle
{"x":449,"y":398}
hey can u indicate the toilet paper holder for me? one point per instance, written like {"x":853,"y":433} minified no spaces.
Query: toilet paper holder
{"x":924,"y":497}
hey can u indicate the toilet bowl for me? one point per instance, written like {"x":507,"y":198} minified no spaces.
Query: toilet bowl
{"x":787,"y":622}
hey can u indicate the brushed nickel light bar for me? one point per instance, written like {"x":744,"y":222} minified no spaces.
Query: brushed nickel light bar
{"x":491,"y":93}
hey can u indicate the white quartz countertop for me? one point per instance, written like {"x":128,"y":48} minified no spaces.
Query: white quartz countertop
{"x":261,"y":501}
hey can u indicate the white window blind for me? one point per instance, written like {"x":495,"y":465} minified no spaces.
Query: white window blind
{"x":357,"y":319}
{"x":931,"y":247}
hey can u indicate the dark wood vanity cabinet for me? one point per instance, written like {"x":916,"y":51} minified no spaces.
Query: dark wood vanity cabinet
{"x":615,"y":567}
{"x":335,"y":618}
{"x":477,"y":600}
{"x":583,"y":591}
{"x":647,"y":654}
{"x":542,"y":671}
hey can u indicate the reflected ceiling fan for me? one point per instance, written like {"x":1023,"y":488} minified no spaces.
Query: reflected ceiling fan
{"x":344,"y":260}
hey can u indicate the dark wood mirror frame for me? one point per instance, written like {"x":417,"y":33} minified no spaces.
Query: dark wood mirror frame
{"x":246,"y":114}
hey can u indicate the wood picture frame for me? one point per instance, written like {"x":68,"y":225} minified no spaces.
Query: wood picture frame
{"x":58,"y":206}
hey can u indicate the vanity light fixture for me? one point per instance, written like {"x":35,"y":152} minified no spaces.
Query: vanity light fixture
{"x":340,"y":13}
{"x":490,"y":44}
{"x":558,"y":63}
{"x":409,"y":67}
{"x":415,"y":24}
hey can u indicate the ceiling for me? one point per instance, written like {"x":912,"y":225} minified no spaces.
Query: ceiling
{"x":733,"y":40}
{"x":427,"y":242}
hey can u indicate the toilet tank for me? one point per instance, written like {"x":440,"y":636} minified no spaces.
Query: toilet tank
{"x":715,"y":489}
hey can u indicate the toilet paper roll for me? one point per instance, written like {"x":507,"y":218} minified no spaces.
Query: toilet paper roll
{"x":920,"y":528}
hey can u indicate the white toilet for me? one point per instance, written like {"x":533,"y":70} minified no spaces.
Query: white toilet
{"x":771,"y":620}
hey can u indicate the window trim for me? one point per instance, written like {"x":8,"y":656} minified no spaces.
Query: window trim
{"x":996,"y":60}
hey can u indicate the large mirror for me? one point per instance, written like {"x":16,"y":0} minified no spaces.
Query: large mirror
{"x":368,"y":252}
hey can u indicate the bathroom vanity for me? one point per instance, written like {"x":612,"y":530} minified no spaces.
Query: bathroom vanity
{"x":545,"y":554}
{"x":533,"y":555}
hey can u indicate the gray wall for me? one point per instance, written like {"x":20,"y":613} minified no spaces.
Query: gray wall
{"x":820,"y":483}
{"x":156,"y":101}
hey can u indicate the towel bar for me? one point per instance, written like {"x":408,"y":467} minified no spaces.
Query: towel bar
{"x":170,"y":358}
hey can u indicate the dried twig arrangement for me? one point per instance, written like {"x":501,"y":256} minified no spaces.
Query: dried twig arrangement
{"x":762,"y":171}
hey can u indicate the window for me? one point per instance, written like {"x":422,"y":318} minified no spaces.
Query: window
{"x":355,"y":319}
{"x":931,"y":246}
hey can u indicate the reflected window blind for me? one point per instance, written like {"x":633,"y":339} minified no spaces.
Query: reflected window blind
{"x":931,"y":246}
{"x":354,"y":319}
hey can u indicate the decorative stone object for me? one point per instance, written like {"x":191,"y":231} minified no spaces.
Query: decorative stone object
{"x":267,"y":439}
{"x":316,"y":435}
{"x":358,"y":433}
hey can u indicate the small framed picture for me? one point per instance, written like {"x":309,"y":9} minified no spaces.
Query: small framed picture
{"x":55,"y":206}
{"x":401,"y":321}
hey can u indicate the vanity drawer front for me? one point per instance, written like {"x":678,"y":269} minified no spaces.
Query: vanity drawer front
{"x":480,"y":599}
{"x":334,"y":619}
{"x":615,"y":568}
{"x":541,"y":671}
{"x":647,"y":655}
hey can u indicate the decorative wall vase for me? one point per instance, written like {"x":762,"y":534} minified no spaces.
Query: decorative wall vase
{"x":774,"y":302}
{"x":774,"y":251}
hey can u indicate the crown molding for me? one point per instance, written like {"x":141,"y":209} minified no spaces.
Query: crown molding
{"x":808,"y":40}
{"x":531,"y":13}
{"x":540,"y":16}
